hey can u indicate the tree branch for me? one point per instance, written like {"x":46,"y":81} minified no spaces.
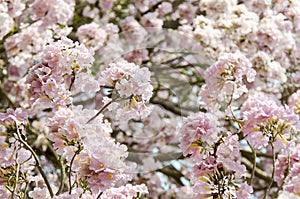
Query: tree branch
{"x":258,"y":172}
{"x":174,"y":108}
{"x":172,"y":172}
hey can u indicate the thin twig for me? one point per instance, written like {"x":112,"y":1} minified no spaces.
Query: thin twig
{"x":17,"y":177}
{"x":172,"y":172}
{"x":273,"y":171}
{"x":99,"y":195}
{"x":100,"y":111}
{"x":37,"y":161}
{"x":174,"y":108}
{"x":287,"y":172}
{"x":72,"y":79}
{"x":70,"y":175}
{"x":62,"y":176}
{"x":25,"y":189}
{"x":258,"y":154}
{"x":254,"y":163}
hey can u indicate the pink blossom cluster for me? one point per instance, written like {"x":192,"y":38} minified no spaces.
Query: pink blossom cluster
{"x":218,"y":169}
{"x":88,"y":148}
{"x":92,"y":95}
{"x":226,"y":80}
{"x":153,"y":134}
{"x":15,"y":158}
{"x":60,"y":74}
{"x":94,"y":36}
{"x":10,"y":120}
{"x":7,"y":23}
{"x":125,"y":192}
{"x":49,"y":20}
{"x":130,"y":90}
{"x":287,"y":168}
{"x":41,"y":193}
{"x":212,"y":180}
{"x":52,"y":12}
{"x":265,"y":121}
{"x":200,"y":132}
{"x":294,"y":102}
{"x":23,"y":47}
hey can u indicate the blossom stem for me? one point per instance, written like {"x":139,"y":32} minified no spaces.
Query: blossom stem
{"x":258,"y":154}
{"x":72,"y":79}
{"x":37,"y":161}
{"x":287,"y":172}
{"x":99,"y":195}
{"x":17,"y":177}
{"x":100,"y":111}
{"x":258,"y":172}
{"x":174,"y":108}
{"x":71,"y":163}
{"x":62,"y":176}
{"x":273,"y":171}
{"x":254,"y":163}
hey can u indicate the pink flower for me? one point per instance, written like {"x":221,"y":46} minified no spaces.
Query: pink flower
{"x":244,"y":191}
{"x":92,"y":35}
{"x":294,"y":102}
{"x":225,"y":80}
{"x":265,"y":121}
{"x":144,"y":5}
{"x":90,"y":12}
{"x":106,"y":5}
{"x":39,"y":193}
{"x":292,"y":184}
{"x":228,"y":153}
{"x":131,"y":89}
{"x":185,"y":13}
{"x":64,"y":55}
{"x":7,"y":23}
{"x":43,"y":84}
{"x":50,"y":87}
{"x":4,"y":192}
{"x":16,"y":8}
{"x":76,"y":194}
{"x":94,"y":162}
{"x":164,"y":8}
{"x":212,"y":179}
{"x":133,"y":31}
{"x":65,"y":70}
{"x":287,"y":169}
{"x":137,"y":56}
{"x":101,"y":181}
{"x":124,"y":192}
{"x":85,"y":82}
{"x":258,"y":6}
{"x":215,"y":8}
{"x":23,"y":47}
{"x":6,"y":151}
{"x":200,"y":132}
{"x":151,"y":20}
{"x":271,"y":74}
{"x":52,"y":12}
